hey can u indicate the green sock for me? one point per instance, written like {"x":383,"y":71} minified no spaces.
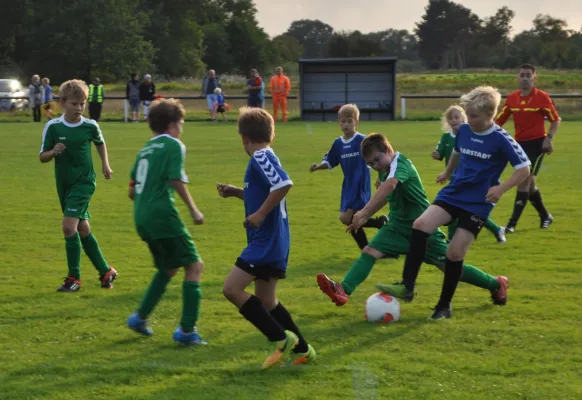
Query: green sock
{"x":154,"y":294}
{"x":93,"y":251}
{"x":474,"y":276}
{"x":191,"y":296}
{"x":491,"y":226}
{"x":73,"y":247}
{"x":358,"y":272}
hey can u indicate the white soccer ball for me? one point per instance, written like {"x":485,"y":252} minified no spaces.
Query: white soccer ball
{"x":382,"y":308}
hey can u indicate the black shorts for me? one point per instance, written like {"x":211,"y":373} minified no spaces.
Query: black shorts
{"x":220,"y":109}
{"x":260,"y":271}
{"x":533,"y":150}
{"x":466,"y":220}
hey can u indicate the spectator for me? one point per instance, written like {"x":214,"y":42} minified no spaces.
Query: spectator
{"x":47,"y":98}
{"x":147,"y":92}
{"x":35,"y":97}
{"x":280,"y":87}
{"x":96,"y":94}
{"x":132,"y":96}
{"x":256,"y":88}
{"x":209,"y":85}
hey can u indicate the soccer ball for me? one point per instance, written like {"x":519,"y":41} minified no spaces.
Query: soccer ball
{"x":382,"y":308}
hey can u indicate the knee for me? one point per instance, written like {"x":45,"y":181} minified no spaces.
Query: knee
{"x":230,"y":292}
{"x":345,"y":218}
{"x":69,"y":229}
{"x":419,"y":224}
{"x":455,"y":254}
{"x":84,"y":230}
{"x":194,"y":271}
{"x":269,"y":303}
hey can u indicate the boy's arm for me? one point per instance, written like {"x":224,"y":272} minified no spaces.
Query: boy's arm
{"x":379,"y":200}
{"x":102,"y":150}
{"x":272,"y":201}
{"x":518,"y":176}
{"x":520,"y":162}
{"x":47,"y":156}
{"x":181,"y":189}
{"x":49,"y":149}
{"x":453,"y":162}
{"x":230,"y":191}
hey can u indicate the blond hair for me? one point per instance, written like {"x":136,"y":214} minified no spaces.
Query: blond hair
{"x":74,"y":89}
{"x":164,"y":112}
{"x":46,"y":80}
{"x":217,"y":90}
{"x":375,"y":142}
{"x":484,"y":99}
{"x":35,"y":77}
{"x":349,"y":110}
{"x":256,"y":124}
{"x":445,"y":117}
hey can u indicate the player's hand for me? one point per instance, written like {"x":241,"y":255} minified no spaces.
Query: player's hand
{"x":548,"y":146}
{"x":59,"y":148}
{"x":313,"y":167}
{"x":494,"y":194}
{"x":435,"y":154}
{"x":225,"y":190}
{"x":254,"y":220}
{"x":197,"y":216}
{"x":107,"y":171}
{"x":358,"y":220}
{"x":442,"y":178}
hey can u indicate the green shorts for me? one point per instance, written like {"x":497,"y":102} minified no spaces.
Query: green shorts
{"x":75,"y":202}
{"x":176,"y":252}
{"x":393,"y":240}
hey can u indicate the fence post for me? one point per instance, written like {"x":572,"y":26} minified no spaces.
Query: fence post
{"x":403,"y":107}
{"x":125,"y":110}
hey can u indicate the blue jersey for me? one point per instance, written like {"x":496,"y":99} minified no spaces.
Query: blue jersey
{"x":220,"y":99}
{"x":484,"y":156}
{"x":356,"y":187}
{"x":270,"y":242}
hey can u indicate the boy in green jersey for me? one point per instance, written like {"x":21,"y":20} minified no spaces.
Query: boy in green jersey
{"x":67,"y":140}
{"x":158,"y":172}
{"x":451,"y":119}
{"x":402,"y":188}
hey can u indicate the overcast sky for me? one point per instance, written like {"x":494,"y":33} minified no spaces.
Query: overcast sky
{"x":374,"y":15}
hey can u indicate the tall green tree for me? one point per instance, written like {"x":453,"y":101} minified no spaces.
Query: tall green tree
{"x":313,"y":35}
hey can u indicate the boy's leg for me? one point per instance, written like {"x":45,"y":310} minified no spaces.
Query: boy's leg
{"x":185,"y":252}
{"x":358,"y":235}
{"x":436,"y":255}
{"x":73,"y":249}
{"x":495,"y":230}
{"x":252,"y":308}
{"x":266,"y":292}
{"x":91,"y":248}
{"x":451,"y":228}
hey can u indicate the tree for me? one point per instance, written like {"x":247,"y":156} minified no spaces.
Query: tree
{"x":445,"y":33}
{"x":286,"y":49}
{"x":313,"y":35}
{"x":217,"y":53}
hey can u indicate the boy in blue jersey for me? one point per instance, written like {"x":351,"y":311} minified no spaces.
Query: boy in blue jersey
{"x":264,"y":260}
{"x":356,"y":187}
{"x":482,"y":150}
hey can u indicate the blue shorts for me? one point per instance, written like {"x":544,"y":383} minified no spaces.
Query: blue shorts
{"x":353,"y":201}
{"x":211,"y":100}
{"x":134,"y":105}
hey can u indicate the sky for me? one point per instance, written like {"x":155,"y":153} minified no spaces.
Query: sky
{"x":275,"y":16}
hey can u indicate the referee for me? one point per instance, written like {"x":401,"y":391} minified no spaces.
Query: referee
{"x":529,"y":107}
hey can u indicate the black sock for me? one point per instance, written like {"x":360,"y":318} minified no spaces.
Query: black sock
{"x":518,"y":206}
{"x":256,"y":313}
{"x":374,"y":223}
{"x":282,"y":316}
{"x":453,"y":272}
{"x":414,"y":258}
{"x":535,"y":199}
{"x":360,"y":237}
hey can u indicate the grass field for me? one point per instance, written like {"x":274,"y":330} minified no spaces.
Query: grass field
{"x":70,"y":346}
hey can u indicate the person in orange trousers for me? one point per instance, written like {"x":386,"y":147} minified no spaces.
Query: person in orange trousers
{"x":280,"y":88}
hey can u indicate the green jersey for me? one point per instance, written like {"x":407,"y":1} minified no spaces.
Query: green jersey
{"x":446,"y":145}
{"x":160,"y":161}
{"x":75,"y":165}
{"x":408,"y":200}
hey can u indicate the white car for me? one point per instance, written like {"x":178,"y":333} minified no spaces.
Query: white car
{"x":9,"y":89}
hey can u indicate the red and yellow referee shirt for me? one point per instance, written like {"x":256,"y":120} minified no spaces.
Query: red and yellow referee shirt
{"x":528,"y":114}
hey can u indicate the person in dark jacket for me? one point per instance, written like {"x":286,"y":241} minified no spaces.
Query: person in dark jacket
{"x":132,"y":96}
{"x":147,"y":91}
